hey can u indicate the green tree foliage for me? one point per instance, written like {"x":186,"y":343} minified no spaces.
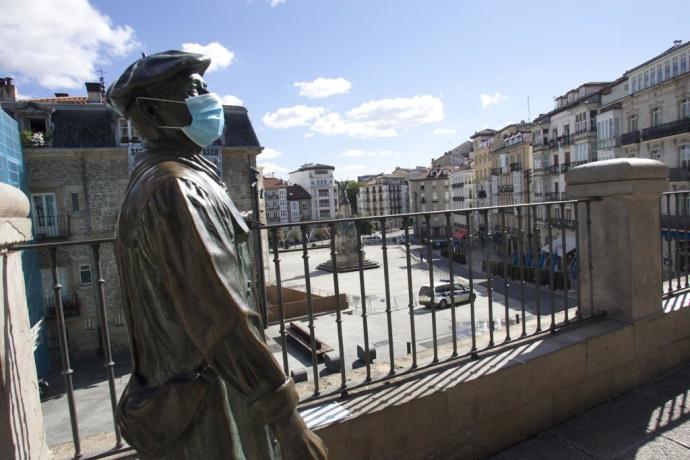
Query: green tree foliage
{"x":352,"y":190}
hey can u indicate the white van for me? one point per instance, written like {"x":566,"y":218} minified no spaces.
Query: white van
{"x":372,"y":239}
{"x":442,"y":294}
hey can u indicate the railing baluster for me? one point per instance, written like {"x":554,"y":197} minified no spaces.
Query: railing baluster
{"x":578,"y":260}
{"x":487,"y":259}
{"x":590,"y":267}
{"x":408,"y":266}
{"x":338,"y":315}
{"x":506,"y":285}
{"x":310,"y":309}
{"x":552,"y":299}
{"x":451,"y":263}
{"x":108,"y":362}
{"x":537,"y":269}
{"x":521,"y":268}
{"x":685,"y":237}
{"x":363,"y":294}
{"x":386,"y":281}
{"x":281,"y":306}
{"x":676,"y":258}
{"x":668,"y":246}
{"x":430,"y":258}
{"x":64,"y":352}
{"x":470,"y":240}
{"x":564,"y":268}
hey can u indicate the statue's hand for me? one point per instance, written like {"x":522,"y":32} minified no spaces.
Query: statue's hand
{"x":297,"y":442}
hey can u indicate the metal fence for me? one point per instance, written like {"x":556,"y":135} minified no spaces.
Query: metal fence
{"x":513,"y":247}
{"x":675,"y":242}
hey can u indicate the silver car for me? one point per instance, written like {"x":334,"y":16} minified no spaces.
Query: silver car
{"x":442,"y":294}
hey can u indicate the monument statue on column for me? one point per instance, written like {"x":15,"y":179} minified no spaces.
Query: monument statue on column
{"x":204,"y":384}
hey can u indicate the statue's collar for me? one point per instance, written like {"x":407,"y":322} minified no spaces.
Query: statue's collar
{"x":150,"y":157}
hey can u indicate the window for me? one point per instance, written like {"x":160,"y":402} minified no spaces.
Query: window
{"x":683,"y":64}
{"x":324,"y":203}
{"x":656,"y":116}
{"x":323,"y":192}
{"x":667,"y":70}
{"x":652,"y":77}
{"x":581,"y":122}
{"x":75,"y":202}
{"x":685,"y":156}
{"x":581,"y":152}
{"x":324,"y":213}
{"x":85,"y":274}
{"x":632,"y":123}
{"x":634,"y":84}
{"x":659,"y":74}
{"x":35,"y":125}
{"x":655,"y":154}
{"x":119,"y":320}
{"x":90,"y":324}
{"x":128,"y":133}
{"x":685,"y":108}
{"x":674,"y":66}
{"x":646,"y":79}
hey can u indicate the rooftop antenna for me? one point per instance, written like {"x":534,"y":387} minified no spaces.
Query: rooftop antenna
{"x":101,"y":79}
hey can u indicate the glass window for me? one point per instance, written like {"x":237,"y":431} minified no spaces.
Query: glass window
{"x":75,"y":202}
{"x":685,"y":156}
{"x":667,"y":70}
{"x":652,"y":78}
{"x":683,"y":63}
{"x":685,"y":108}
{"x":646,"y":78}
{"x":634,"y":84}
{"x":674,"y":66}
{"x":656,"y":116}
{"x":632,"y":123}
{"x":85,"y":274}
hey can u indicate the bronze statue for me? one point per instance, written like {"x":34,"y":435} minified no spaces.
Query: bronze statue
{"x":204,"y":384}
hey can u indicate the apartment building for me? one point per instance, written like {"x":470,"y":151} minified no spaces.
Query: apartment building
{"x":383,"y":195}
{"x":456,"y":157}
{"x":431,"y":192}
{"x":463,"y":192}
{"x":78,"y":156}
{"x":481,"y":146}
{"x":318,"y":180}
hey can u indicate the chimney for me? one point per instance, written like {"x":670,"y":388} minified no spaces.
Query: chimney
{"x":94,"y":92}
{"x":7,"y":90}
{"x":61,"y":95}
{"x":677,"y":42}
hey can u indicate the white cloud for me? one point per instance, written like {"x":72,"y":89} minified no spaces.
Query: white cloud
{"x":323,"y":87}
{"x":488,"y":100}
{"x":378,"y":118}
{"x":438,"y":131}
{"x":269,"y":168}
{"x":59,"y":44}
{"x":309,"y":134}
{"x":353,"y":153}
{"x":269,"y":154}
{"x":229,"y":99}
{"x":291,"y":117}
{"x":221,"y":57}
{"x":277,"y":2}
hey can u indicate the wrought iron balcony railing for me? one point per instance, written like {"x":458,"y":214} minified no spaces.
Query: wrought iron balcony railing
{"x":633,"y":137}
{"x":45,"y":227}
{"x":666,"y":129}
{"x":679,"y":174}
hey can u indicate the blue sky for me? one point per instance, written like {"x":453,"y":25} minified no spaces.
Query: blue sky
{"x":382,"y":82}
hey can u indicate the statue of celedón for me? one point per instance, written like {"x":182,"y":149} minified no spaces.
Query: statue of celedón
{"x":204,"y":384}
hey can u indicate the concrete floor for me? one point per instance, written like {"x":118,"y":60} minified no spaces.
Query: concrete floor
{"x":650,"y":422}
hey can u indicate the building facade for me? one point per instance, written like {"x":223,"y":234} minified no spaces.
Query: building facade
{"x":384,"y":195}
{"x":317,"y":179}
{"x":482,"y":164}
{"x":431,"y":192}
{"x":78,"y":156}
{"x":463,"y":192}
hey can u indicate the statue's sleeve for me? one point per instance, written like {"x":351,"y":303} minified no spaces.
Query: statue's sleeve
{"x":202,"y":269}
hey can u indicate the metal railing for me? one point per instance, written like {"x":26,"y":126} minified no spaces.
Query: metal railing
{"x":675,"y":241}
{"x":45,"y":227}
{"x":633,"y":137}
{"x":667,"y":129}
{"x":679,"y":174}
{"x":516,"y":287}
{"x":510,"y":254}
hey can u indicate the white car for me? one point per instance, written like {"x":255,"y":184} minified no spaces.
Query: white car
{"x":442,"y":294}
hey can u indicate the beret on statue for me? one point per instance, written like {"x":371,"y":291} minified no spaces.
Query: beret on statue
{"x":151,"y":70}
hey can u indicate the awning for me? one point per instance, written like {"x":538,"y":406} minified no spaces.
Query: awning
{"x":557,"y":244}
{"x":665,"y":235}
{"x":460,"y":234}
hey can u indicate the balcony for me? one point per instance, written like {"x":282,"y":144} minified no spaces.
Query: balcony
{"x":458,"y":185}
{"x":554,"y":169}
{"x":585,"y":133}
{"x":544,"y":145}
{"x":71,"y":305}
{"x":666,"y":129}
{"x":609,"y":143}
{"x":48,"y":227}
{"x":563,"y":223}
{"x":633,"y":137}
{"x":458,"y":198}
{"x":495,"y":171}
{"x":565,"y":167}
{"x":572,"y":354}
{"x":553,"y":143}
{"x":565,"y":140}
{"x":505,"y":188}
{"x":515,"y":167}
{"x":675,"y":221}
{"x":679,"y":174}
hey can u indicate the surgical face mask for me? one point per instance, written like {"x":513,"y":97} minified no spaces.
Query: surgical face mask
{"x":207,"y":119}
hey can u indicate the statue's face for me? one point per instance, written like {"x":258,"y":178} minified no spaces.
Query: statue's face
{"x":196,"y":86}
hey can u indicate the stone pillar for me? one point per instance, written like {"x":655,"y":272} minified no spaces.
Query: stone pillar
{"x":626,"y":235}
{"x":22,"y":434}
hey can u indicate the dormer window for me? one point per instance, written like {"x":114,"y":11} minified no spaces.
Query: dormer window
{"x":35,"y":125}
{"x":128,"y":133}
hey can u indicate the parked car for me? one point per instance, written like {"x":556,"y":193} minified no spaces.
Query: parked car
{"x":442,"y":294}
{"x":372,"y":239}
